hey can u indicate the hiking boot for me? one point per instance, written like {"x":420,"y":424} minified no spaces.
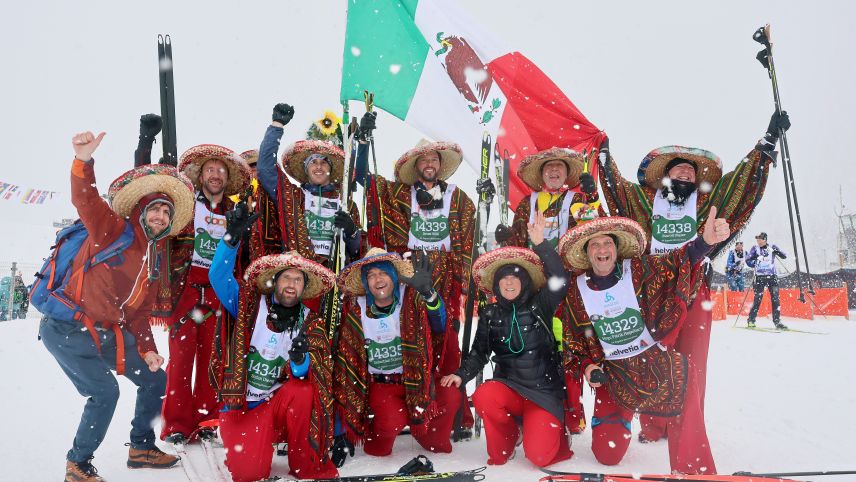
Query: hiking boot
{"x":780,"y":326}
{"x":750,"y":324}
{"x":81,"y":472}
{"x":176,"y":438}
{"x":153,"y":458}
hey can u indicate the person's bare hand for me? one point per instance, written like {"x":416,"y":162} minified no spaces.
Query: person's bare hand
{"x":153,"y":360}
{"x":716,"y":230}
{"x":450,"y":380}
{"x":536,"y":228}
{"x":85,"y":143}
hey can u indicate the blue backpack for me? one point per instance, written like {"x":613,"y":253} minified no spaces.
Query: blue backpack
{"x":48,"y":291}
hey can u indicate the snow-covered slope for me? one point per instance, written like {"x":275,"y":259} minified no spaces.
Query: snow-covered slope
{"x":775,"y":401}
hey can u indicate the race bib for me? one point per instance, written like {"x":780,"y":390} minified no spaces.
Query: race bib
{"x":430,"y":230}
{"x":262,"y":373}
{"x":385,"y":356}
{"x":672,"y":225}
{"x":209,"y":229}
{"x":675,"y":232}
{"x":320,"y":212}
{"x":621,"y":329}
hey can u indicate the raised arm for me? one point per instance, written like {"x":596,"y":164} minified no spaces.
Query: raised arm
{"x":549,"y":297}
{"x":268,"y":175}
{"x":623,"y":197}
{"x":103,"y":224}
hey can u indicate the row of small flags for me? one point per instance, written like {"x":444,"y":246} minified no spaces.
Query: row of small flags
{"x":24,"y":195}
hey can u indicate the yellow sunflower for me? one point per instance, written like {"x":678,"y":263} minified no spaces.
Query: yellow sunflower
{"x":327,"y":124}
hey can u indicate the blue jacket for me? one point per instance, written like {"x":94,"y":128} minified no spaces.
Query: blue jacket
{"x":226,"y":286}
{"x":735,"y":264}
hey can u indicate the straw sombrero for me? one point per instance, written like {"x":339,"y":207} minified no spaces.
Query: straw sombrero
{"x":262,"y":272}
{"x":251,"y":157}
{"x":652,"y":168}
{"x":350,"y":280}
{"x":530,"y":167}
{"x":450,"y":159}
{"x":631,"y":239}
{"x":193,"y":159}
{"x":126,"y":191}
{"x":484,"y":268}
{"x":293,"y":157}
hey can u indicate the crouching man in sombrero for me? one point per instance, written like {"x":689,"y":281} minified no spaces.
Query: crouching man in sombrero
{"x":276,"y":366}
{"x":627,"y":310}
{"x":525,"y":399}
{"x":383,"y":376}
{"x":113,"y":300}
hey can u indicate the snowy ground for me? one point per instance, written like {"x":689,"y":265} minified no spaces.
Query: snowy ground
{"x":775,"y":402}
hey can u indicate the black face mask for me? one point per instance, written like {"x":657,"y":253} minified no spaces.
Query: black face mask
{"x":281,"y":318}
{"x":681,"y":190}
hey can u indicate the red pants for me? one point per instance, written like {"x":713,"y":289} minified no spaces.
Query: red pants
{"x":249,"y":436}
{"x":693,"y":342}
{"x":386,"y":402}
{"x":544,"y":440}
{"x":575,"y":416}
{"x":689,"y":449}
{"x":190,"y":399}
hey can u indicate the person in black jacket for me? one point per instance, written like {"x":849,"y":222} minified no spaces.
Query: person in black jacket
{"x":527,"y":387}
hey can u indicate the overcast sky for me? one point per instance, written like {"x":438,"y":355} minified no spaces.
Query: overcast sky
{"x":647,"y":73}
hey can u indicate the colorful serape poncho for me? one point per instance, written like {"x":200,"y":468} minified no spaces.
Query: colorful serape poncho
{"x":351,"y":378}
{"x":654,"y":381}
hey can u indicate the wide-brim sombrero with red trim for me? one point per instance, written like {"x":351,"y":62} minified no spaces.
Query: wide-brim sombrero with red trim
{"x":350,"y":279}
{"x":251,"y":157}
{"x":652,"y":169}
{"x":293,"y":157}
{"x":193,"y":159}
{"x":126,"y":191}
{"x":262,"y":272}
{"x":530,"y":167}
{"x":450,"y":159}
{"x":631,"y":239}
{"x":484,"y":268}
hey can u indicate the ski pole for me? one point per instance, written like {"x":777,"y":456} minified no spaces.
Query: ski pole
{"x":743,"y":303}
{"x":765,"y":57}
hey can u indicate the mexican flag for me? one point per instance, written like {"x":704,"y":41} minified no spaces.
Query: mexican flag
{"x":433,"y":67}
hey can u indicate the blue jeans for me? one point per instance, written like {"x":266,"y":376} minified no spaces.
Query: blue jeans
{"x":75,"y":351}
{"x":736,"y":282}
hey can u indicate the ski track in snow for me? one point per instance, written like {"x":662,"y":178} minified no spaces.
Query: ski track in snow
{"x":775,"y":402}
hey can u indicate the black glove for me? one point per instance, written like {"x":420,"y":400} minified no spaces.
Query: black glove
{"x":340,"y":450}
{"x":421,"y":279}
{"x":485,"y":186}
{"x":282,"y":113}
{"x":597,"y":376}
{"x":604,"y":145}
{"x":239,"y":221}
{"x":778,"y":123}
{"x":367,"y":124}
{"x":587,"y":184}
{"x":299,"y":349}
{"x":502,"y":233}
{"x":150,"y":125}
{"x":344,"y":222}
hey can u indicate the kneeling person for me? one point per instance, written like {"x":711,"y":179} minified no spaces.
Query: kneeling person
{"x":627,"y":311}
{"x":383,"y":365}
{"x":276,"y":380}
{"x":527,"y":385}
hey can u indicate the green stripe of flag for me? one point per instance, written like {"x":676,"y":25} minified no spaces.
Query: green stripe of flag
{"x":384,"y":53}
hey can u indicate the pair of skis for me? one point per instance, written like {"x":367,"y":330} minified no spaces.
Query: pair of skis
{"x":167,"y":98}
{"x":479,"y":248}
{"x":206,"y":435}
{"x":558,"y":476}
